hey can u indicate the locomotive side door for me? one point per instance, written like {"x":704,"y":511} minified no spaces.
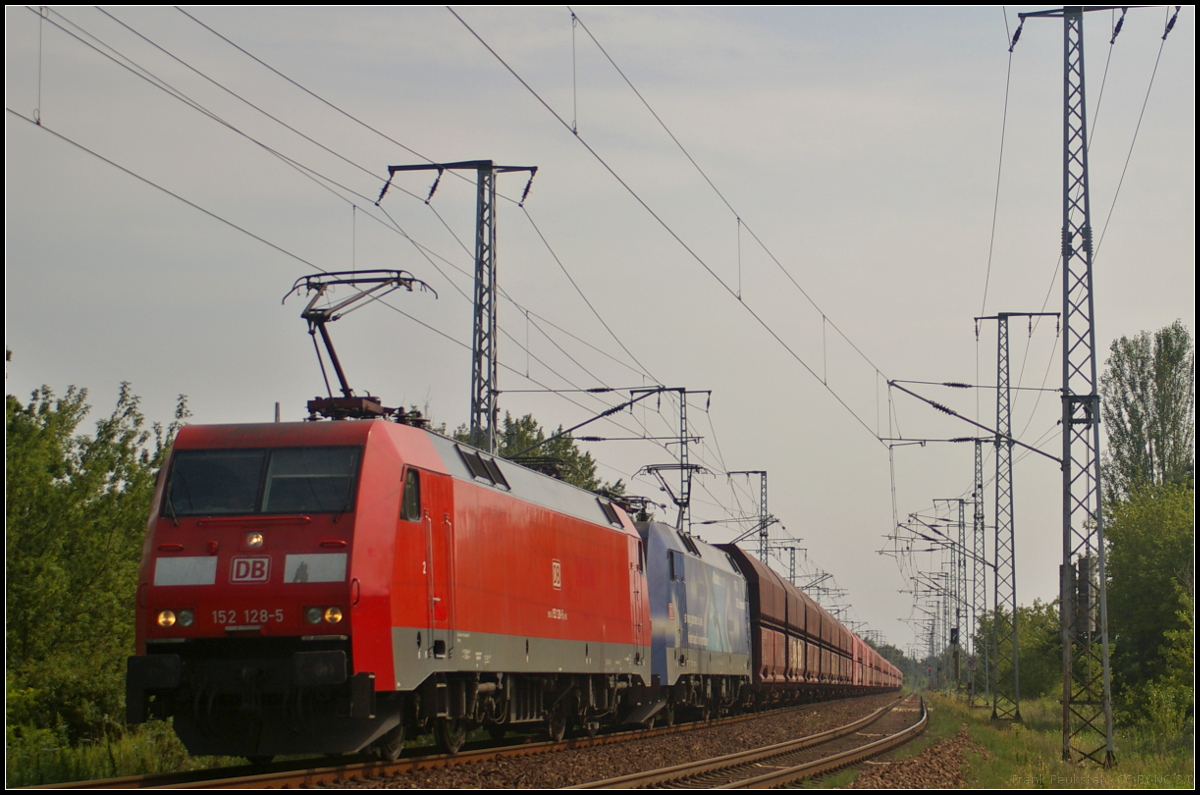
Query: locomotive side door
{"x":638,"y":575}
{"x":437,"y":520}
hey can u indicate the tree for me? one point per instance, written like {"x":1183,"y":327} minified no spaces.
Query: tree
{"x":76,"y":508}
{"x":1039,"y":648}
{"x":1152,"y":543}
{"x":560,"y":457}
{"x":1148,"y":394}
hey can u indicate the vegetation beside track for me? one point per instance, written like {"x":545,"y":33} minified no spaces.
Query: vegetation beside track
{"x":1027,"y":755}
{"x":42,"y":756}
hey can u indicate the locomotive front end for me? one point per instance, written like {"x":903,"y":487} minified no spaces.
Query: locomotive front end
{"x":245,"y":597}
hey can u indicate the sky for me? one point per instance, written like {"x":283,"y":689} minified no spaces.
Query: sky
{"x":794,"y":207}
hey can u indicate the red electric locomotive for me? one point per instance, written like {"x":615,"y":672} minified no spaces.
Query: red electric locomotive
{"x":327,"y":587}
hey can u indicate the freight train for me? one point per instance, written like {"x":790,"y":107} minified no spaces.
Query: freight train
{"x":333,"y":587}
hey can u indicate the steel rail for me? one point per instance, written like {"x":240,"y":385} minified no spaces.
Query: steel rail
{"x":755,"y":756}
{"x":285,"y":773}
{"x":281,"y":774}
{"x":835,"y":761}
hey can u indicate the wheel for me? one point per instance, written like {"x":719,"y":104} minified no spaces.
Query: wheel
{"x":388,"y":747}
{"x":259,"y":761}
{"x":497,"y":731}
{"x":450,"y":734}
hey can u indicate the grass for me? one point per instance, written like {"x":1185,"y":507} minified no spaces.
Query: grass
{"x":1027,"y":755}
{"x":39,"y":756}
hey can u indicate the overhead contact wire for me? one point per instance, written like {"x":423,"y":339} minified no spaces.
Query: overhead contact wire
{"x":571,"y":279}
{"x":406,"y":148}
{"x":741,"y":222}
{"x":316,"y":176}
{"x":667,"y":227}
{"x":311,"y":174}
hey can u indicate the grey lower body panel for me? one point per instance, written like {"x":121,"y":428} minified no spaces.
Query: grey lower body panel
{"x":416,"y":660}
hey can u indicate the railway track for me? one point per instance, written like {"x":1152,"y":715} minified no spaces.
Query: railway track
{"x":281,"y":774}
{"x":781,"y":763}
{"x":351,"y":771}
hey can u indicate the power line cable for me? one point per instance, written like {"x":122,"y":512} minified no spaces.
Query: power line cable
{"x":666,"y":227}
{"x":1132,"y":143}
{"x":417,"y":154}
{"x":364,"y":169}
{"x":306,"y":171}
{"x":162,"y":85}
{"x":996,"y":199}
{"x":312,"y":94}
{"x":312,"y":174}
{"x":571,"y":279}
{"x":238,"y":96}
{"x":740,"y":221}
{"x":170,"y":193}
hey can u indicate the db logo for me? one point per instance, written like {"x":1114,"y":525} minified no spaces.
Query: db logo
{"x":556,"y":574}
{"x":250,"y":570}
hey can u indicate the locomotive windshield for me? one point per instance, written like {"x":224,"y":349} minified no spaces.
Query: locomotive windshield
{"x":280,"y":480}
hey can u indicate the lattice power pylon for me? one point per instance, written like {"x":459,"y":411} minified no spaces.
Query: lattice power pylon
{"x":963,"y":615}
{"x":1006,"y":681}
{"x":979,"y":603}
{"x":484,"y":362}
{"x":1006,"y":691}
{"x":1086,"y":691}
{"x":764,"y":525}
{"x":686,"y":469}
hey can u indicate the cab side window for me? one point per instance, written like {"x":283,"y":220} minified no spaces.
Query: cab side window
{"x":410,"y":509}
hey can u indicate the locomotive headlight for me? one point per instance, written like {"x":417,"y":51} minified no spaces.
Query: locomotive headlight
{"x":166,"y":618}
{"x":254,"y":540}
{"x":330,"y":615}
{"x":186,"y":618}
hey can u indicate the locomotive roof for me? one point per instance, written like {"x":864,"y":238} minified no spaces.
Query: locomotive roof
{"x":272,"y":434}
{"x":676,"y":541}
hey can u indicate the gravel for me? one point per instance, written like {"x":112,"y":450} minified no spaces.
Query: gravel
{"x":940,"y":766}
{"x":607,"y":761}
